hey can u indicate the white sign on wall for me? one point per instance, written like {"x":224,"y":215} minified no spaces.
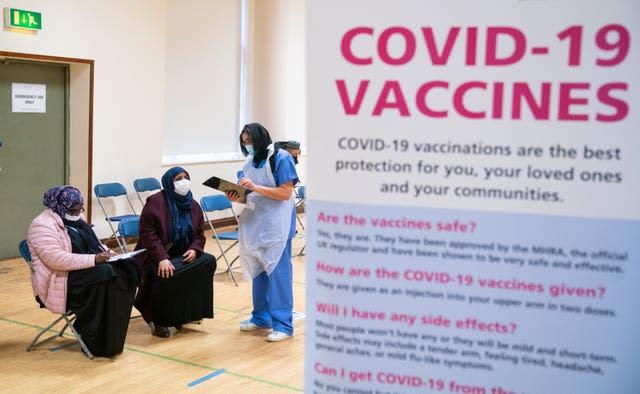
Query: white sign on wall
{"x":473,"y":211}
{"x":28,"y":97}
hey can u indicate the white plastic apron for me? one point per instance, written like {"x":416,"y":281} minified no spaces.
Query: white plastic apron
{"x":263,"y":230}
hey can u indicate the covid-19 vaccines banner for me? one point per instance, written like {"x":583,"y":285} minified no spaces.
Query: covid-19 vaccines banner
{"x":473,"y":183}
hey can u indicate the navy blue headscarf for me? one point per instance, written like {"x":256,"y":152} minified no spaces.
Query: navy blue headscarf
{"x":179,"y":207}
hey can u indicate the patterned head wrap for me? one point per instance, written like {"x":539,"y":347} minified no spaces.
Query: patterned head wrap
{"x":61,"y":198}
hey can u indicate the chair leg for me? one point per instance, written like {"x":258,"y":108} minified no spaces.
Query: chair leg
{"x":300,"y":204}
{"x":123,"y":244}
{"x":299,"y":221}
{"x":233,"y":277}
{"x":230,"y":265}
{"x":47,"y":328}
{"x":114,"y":233}
{"x":301,"y":252}
{"x":79,"y":339}
{"x":68,"y":324}
{"x":223,"y":255}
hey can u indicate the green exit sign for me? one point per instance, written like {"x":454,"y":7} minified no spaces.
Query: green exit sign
{"x":23,"y":19}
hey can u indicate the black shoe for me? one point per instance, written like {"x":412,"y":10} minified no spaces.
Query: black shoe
{"x":159,"y":331}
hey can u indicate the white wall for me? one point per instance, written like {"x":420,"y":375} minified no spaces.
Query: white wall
{"x":202,"y":77}
{"x":278,"y":83}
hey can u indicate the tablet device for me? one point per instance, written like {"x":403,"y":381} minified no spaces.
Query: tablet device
{"x":223,"y":185}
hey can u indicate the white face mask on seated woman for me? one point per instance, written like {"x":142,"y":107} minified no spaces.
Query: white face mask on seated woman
{"x":73,"y":218}
{"x":182,"y":186}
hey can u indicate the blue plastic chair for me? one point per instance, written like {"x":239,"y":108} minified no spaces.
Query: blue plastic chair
{"x":113,"y":191}
{"x":68,"y":317}
{"x":300,"y":197}
{"x":219,"y":203}
{"x":23,"y":247}
{"x":128,"y":228}
{"x":142,"y":185}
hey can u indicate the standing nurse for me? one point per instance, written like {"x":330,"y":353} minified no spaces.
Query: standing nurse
{"x":265,"y":231}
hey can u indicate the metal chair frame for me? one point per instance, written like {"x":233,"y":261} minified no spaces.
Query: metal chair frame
{"x":213,"y":203}
{"x":142,"y":185}
{"x":300,"y":197}
{"x":68,"y":317}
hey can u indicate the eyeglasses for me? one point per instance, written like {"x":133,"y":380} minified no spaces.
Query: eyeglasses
{"x":245,"y":138}
{"x":75,"y":211}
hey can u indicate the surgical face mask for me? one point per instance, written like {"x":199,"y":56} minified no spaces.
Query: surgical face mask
{"x":249,"y":149}
{"x":72,"y":217}
{"x":182,"y":186}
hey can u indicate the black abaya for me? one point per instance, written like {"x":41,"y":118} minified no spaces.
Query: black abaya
{"x":101,"y":297}
{"x":184,"y":297}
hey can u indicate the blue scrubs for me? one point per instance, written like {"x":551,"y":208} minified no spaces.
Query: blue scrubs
{"x":273,"y":294}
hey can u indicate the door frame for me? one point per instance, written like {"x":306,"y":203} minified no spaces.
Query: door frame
{"x":80,"y":115}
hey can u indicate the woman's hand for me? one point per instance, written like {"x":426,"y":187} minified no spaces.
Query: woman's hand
{"x":246,"y":183}
{"x":165,"y":269}
{"x":234,"y":196}
{"x":103,"y":257}
{"x":189,"y":256}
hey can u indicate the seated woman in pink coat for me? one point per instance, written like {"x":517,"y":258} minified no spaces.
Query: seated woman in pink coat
{"x":71,"y":273}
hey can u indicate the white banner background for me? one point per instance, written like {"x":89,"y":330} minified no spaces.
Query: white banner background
{"x":544,"y":198}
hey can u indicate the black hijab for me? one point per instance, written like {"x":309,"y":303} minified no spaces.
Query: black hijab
{"x":260,"y":139}
{"x":83,"y":238}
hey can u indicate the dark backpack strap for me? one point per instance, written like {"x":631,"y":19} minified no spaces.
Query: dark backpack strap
{"x":272,"y":160}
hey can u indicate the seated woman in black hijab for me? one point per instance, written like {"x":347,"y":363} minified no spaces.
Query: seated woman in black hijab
{"x":72,"y":272}
{"x":177,"y":285}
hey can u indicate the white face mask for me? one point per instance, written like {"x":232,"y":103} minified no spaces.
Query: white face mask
{"x":182,"y":186}
{"x":71,"y":217}
{"x":249,"y":149}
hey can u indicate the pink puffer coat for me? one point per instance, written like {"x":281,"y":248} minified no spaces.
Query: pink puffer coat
{"x":50,"y":249}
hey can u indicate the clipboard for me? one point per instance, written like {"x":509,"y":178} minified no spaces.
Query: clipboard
{"x":223,"y":185}
{"x":125,"y":255}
